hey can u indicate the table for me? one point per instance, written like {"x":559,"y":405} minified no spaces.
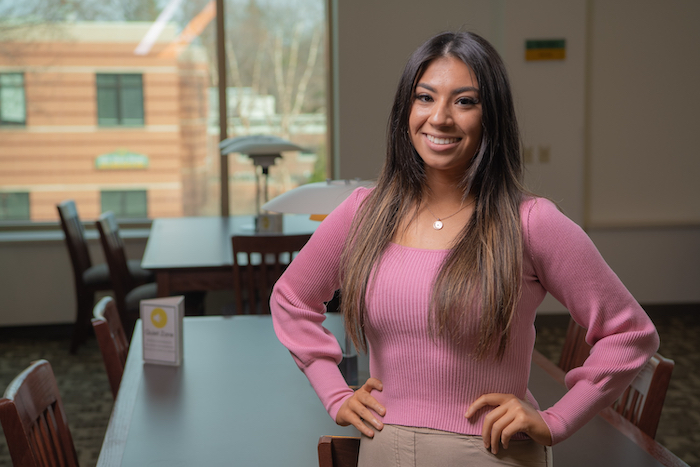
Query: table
{"x":239,"y":399}
{"x":194,"y":253}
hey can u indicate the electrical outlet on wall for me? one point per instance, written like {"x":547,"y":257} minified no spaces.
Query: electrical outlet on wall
{"x":528,"y":156}
{"x":544,"y":153}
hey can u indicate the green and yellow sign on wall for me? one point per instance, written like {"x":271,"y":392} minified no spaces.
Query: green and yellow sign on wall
{"x":121,"y":159}
{"x":545,"y":49}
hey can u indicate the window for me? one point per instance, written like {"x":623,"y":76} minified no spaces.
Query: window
{"x":119,"y":100}
{"x":149,"y":98}
{"x":132,"y":203}
{"x":14,"y":206}
{"x":12,"y":104}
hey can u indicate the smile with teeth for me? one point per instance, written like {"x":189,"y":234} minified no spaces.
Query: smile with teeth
{"x":436,"y":140}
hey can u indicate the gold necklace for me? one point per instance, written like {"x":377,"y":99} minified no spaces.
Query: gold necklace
{"x":438,"y":224}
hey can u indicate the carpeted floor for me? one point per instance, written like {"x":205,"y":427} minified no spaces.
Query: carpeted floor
{"x":88,"y":400}
{"x":81,"y":380}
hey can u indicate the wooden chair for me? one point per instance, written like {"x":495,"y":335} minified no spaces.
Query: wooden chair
{"x":88,"y":278}
{"x":258,"y":261}
{"x":338,"y":451}
{"x":128,"y":292}
{"x":643,"y":400}
{"x":34,"y":422}
{"x":576,"y":349}
{"x":113,"y":342}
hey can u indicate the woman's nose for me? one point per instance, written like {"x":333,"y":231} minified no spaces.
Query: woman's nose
{"x":441,"y":114}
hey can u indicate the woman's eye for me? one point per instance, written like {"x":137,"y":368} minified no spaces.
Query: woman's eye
{"x":467,"y":101}
{"x":424,"y":97}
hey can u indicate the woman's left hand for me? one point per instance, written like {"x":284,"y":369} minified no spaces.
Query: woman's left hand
{"x":509,"y":416}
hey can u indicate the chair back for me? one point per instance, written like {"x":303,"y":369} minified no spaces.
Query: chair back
{"x":338,"y":451}
{"x":115,"y":254}
{"x":643,"y":400}
{"x":75,"y":238}
{"x":112,"y":340}
{"x":34,"y":422}
{"x":576,"y":349}
{"x":258,"y":261}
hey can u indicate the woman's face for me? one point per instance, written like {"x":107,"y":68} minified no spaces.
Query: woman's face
{"x":445,"y":118}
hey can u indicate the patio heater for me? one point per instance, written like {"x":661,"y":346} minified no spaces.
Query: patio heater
{"x":264,"y":150}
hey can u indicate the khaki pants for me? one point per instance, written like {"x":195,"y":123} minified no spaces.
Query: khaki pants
{"x":401,"y":446}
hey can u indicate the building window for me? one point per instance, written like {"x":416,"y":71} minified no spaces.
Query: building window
{"x":12,"y":104}
{"x":119,"y":100}
{"x":14,"y":206}
{"x":131,"y":203}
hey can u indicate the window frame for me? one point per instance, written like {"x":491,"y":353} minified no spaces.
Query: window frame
{"x":22,"y":90}
{"x":120,"y":95}
{"x":122,"y":212}
{"x":4,"y":196}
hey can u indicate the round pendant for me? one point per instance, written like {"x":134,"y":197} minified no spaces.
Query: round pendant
{"x":437,"y":225}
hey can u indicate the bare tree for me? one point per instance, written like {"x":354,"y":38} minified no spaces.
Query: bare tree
{"x":20,"y":19}
{"x":273,"y":49}
{"x":292,"y":84}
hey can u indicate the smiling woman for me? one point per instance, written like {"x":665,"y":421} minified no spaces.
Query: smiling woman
{"x":441,"y":268}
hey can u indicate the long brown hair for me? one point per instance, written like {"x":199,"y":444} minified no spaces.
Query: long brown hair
{"x":485,"y":263}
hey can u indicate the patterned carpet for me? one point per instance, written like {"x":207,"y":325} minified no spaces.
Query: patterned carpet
{"x":88,"y":400}
{"x":81,"y":379}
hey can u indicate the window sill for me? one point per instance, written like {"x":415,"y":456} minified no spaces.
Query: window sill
{"x":25,"y":232}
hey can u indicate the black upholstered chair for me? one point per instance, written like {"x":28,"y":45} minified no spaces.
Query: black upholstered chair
{"x":128,"y":290}
{"x":89,"y":278}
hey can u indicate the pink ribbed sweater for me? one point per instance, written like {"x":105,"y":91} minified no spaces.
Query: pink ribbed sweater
{"x":431,"y":383}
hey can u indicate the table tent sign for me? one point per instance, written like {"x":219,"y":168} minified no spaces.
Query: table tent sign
{"x":162,"y":330}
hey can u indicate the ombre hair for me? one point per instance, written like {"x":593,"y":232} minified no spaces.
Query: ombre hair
{"x":484,"y":267}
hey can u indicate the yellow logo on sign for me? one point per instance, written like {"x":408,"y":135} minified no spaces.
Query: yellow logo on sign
{"x":159,"y":318}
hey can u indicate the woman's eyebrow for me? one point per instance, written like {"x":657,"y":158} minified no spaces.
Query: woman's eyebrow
{"x":426,"y":86}
{"x":465,"y":89}
{"x":456,"y":91}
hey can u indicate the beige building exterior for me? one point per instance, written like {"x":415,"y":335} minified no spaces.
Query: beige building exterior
{"x":89,"y":141}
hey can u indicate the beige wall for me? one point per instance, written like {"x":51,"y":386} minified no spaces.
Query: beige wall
{"x":644,"y":120}
{"x":618,"y":116}
{"x":36,"y":278}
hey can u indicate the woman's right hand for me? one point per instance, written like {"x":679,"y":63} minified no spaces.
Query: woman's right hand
{"x":356,"y":409}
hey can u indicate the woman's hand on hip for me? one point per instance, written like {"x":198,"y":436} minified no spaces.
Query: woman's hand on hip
{"x":509,"y":416}
{"x":356,"y":409}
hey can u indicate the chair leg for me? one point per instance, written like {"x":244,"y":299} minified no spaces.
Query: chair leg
{"x":82,"y":326}
{"x":129,"y":324}
{"x":194,"y":303}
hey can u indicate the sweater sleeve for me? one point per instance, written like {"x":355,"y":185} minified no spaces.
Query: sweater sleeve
{"x":297,"y":305}
{"x":569,"y":266}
